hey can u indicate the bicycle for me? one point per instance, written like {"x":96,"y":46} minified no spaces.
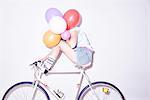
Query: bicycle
{"x":38,"y":90}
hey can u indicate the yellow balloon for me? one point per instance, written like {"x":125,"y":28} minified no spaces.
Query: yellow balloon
{"x":51,"y":39}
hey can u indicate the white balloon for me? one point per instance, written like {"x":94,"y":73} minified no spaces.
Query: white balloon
{"x":57,"y":25}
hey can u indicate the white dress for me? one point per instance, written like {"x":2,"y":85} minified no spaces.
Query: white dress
{"x":82,"y":38}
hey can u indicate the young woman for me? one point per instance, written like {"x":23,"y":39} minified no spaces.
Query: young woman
{"x":77,"y":49}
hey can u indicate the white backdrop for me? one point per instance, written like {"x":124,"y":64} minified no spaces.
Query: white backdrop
{"x":118,"y":31}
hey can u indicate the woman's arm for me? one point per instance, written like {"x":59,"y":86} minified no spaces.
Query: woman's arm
{"x":73,"y":40}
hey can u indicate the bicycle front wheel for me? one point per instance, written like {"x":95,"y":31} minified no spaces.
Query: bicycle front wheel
{"x":24,"y":91}
{"x":101,"y":91}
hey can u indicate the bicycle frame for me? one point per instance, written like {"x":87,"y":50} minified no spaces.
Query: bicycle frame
{"x":82,"y":73}
{"x":38,"y":89}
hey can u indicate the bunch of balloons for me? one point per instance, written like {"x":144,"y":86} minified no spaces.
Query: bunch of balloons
{"x":60,"y":25}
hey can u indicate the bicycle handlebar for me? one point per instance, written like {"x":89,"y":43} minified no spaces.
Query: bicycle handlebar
{"x":35,"y":63}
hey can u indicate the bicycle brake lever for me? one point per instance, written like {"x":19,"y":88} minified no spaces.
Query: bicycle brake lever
{"x":35,"y":63}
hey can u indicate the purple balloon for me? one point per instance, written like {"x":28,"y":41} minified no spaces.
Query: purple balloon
{"x":65,"y":35}
{"x":51,"y":12}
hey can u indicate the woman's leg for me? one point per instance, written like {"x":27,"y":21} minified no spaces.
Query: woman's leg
{"x":62,"y":47}
{"x":51,"y":58}
{"x":68,"y":51}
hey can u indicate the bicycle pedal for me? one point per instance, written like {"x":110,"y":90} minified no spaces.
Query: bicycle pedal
{"x":59,"y":93}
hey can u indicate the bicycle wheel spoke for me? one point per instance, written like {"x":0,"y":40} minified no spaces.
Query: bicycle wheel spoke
{"x":24,"y":91}
{"x":101,"y":91}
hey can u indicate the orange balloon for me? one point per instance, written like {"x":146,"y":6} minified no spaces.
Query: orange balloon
{"x":51,"y":39}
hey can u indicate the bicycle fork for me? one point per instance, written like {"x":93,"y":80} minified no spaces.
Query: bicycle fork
{"x":34,"y":89}
{"x":37,"y":78}
{"x":90,"y":84}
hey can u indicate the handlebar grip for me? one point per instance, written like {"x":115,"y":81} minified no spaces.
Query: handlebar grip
{"x":35,"y":63}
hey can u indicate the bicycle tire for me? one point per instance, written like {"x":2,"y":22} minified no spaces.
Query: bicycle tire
{"x":105,"y":90}
{"x":24,"y":94}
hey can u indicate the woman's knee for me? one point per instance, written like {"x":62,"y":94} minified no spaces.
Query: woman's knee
{"x":56,"y":48}
{"x":61,"y":43}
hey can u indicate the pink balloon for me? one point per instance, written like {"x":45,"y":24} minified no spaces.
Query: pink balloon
{"x":65,"y":35}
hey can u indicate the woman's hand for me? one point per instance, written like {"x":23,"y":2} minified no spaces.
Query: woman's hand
{"x":73,"y":39}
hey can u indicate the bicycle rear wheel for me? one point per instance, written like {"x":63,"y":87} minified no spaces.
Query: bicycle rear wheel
{"x":24,"y":91}
{"x":101,"y":91}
